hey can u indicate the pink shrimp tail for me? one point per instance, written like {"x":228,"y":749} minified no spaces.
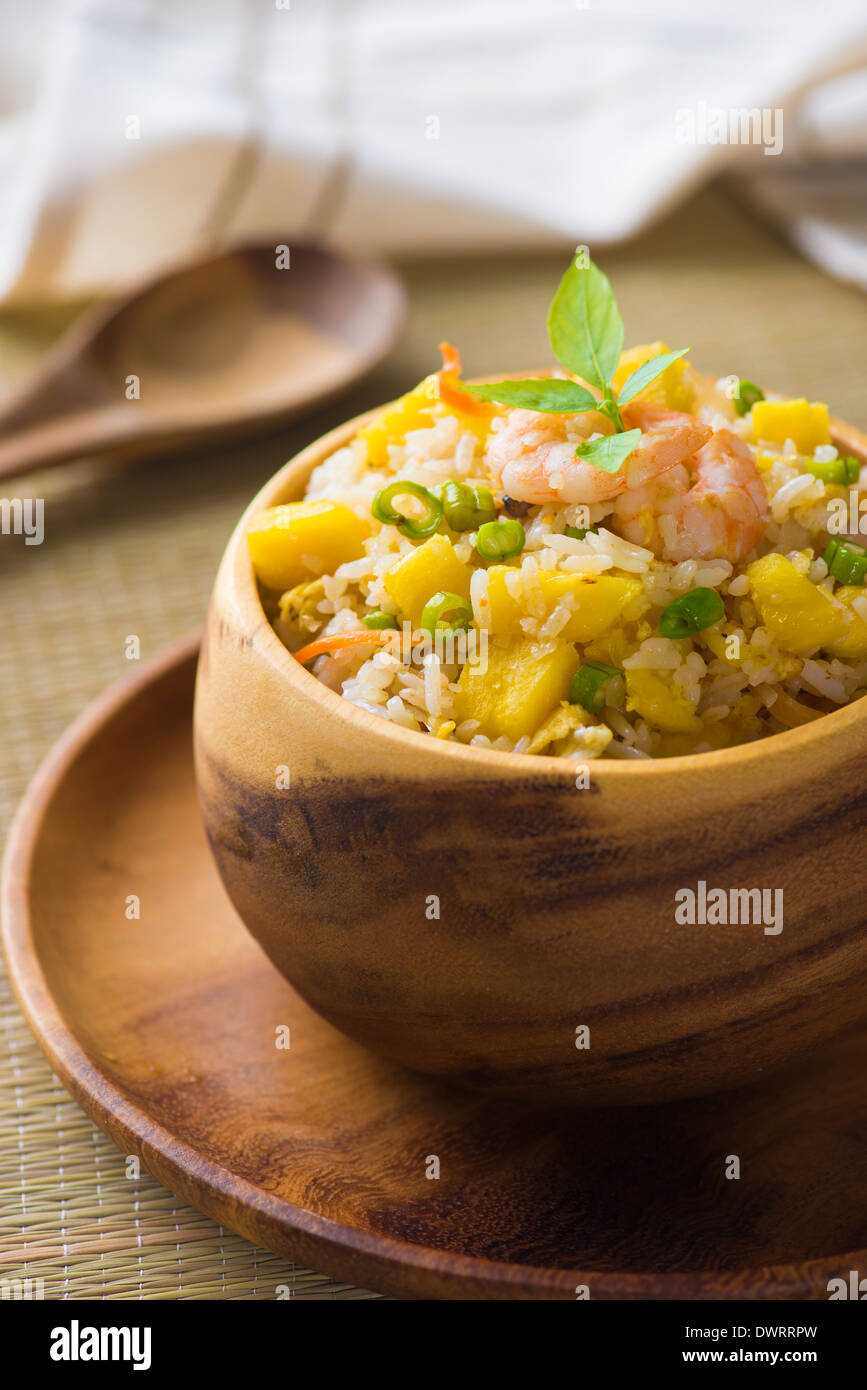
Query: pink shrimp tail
{"x":668,"y":438}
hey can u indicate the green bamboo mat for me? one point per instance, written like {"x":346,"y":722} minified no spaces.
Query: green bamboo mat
{"x":133,"y":549}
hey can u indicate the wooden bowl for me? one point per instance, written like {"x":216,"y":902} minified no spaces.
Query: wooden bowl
{"x":471,"y":913}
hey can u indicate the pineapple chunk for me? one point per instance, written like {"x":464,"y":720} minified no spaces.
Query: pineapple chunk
{"x":417,"y":410}
{"x":804,"y":423}
{"x":673,"y":388}
{"x":660,"y":704}
{"x":598,"y":602}
{"x":853,"y":646}
{"x":521,"y":685}
{"x":799,"y":615}
{"x":566,"y":720}
{"x":299,"y":540}
{"x":411,"y":412}
{"x":414,"y":579}
{"x":504,"y":611}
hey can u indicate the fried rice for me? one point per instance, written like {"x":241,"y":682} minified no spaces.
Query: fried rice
{"x":777,"y":654}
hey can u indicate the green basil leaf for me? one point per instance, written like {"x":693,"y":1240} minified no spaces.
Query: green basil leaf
{"x":585,"y":329}
{"x":547,"y":394}
{"x":647,"y":372}
{"x":610,"y":452}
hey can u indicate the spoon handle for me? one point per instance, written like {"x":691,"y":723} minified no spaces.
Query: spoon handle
{"x":81,"y":434}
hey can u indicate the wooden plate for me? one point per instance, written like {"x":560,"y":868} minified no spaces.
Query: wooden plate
{"x":164,"y":1028}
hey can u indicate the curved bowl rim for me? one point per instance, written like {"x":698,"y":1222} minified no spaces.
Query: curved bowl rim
{"x":284,"y":485}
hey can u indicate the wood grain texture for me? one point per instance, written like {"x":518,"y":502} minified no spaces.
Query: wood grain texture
{"x":557,"y":905}
{"x":164,"y":1029}
{"x":220,"y":347}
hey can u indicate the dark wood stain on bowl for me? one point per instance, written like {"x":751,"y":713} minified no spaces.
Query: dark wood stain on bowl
{"x":526,"y":945}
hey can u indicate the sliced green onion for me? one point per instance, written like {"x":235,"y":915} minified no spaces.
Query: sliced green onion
{"x":746,"y":396}
{"x":446,"y":611}
{"x":497,"y":540}
{"x":578,"y":532}
{"x":846,"y":561}
{"x":416,"y":528}
{"x":377,"y":620}
{"x":465,"y":507}
{"x":691,"y":613}
{"x":589,"y":684}
{"x":843,"y":470}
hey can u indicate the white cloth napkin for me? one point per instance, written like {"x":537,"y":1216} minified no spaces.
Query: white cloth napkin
{"x":134,"y":132}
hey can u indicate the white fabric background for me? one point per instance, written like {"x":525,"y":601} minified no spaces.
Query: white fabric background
{"x":556,"y":121}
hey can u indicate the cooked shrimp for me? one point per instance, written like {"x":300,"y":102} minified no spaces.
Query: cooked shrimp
{"x":714,"y":508}
{"x":532,"y":457}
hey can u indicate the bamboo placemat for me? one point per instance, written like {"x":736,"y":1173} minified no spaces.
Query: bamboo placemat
{"x":133,"y":549}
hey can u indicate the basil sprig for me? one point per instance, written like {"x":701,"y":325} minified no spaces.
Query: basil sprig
{"x":586,"y":334}
{"x":551,"y":394}
{"x":584,"y":324}
{"x":647,"y":372}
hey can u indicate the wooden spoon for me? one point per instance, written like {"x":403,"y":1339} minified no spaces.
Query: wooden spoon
{"x":214,"y":347}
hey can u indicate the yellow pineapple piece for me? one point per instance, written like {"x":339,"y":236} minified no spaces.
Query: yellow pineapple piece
{"x":660,"y":703}
{"x":598,"y":601}
{"x":518,"y":688}
{"x":299,"y":540}
{"x":805,"y":423}
{"x":799,"y":615}
{"x":414,"y":579}
{"x":391,"y":426}
{"x":852,"y":646}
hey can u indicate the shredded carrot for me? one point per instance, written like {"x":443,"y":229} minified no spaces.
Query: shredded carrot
{"x":448,"y":385}
{"x":335,"y":641}
{"x":451,"y":358}
{"x":791,"y":712}
{"x":459,"y":400}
